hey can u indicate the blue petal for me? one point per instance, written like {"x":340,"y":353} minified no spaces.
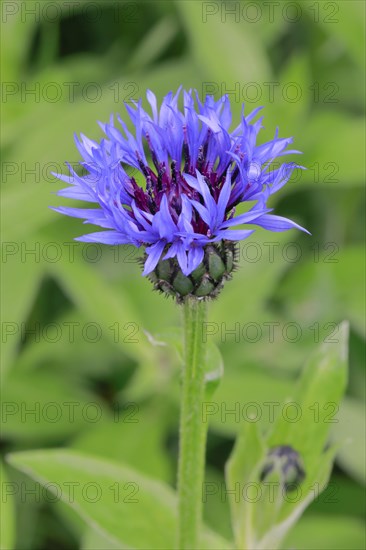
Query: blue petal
{"x":163,"y":222}
{"x":154,"y":253}
{"x":78,"y":212}
{"x":183,"y":260}
{"x":76,"y":193}
{"x":244,"y":218}
{"x":224,"y":198}
{"x":195,"y":257}
{"x":233,"y":235}
{"x":172,"y":252}
{"x":153,"y":104}
{"x":105,"y":237}
{"x":203,"y":212}
{"x":278,"y":223}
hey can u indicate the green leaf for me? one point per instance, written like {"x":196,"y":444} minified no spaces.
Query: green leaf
{"x":7,"y":515}
{"x":21,"y":278}
{"x":327,"y":533}
{"x":350,"y":429}
{"x":244,"y":392}
{"x":342,"y":21}
{"x":317,"y":292}
{"x":90,"y":292}
{"x":342,"y":497}
{"x":16,"y":34}
{"x":262,"y":521}
{"x":242,"y":467}
{"x":329,"y":159}
{"x":262,"y":264}
{"x":308,"y":417}
{"x":70,"y":346}
{"x":217,"y":59}
{"x":153,"y":44}
{"x":95,"y":540}
{"x":297,"y":72}
{"x":46,"y":405}
{"x":216,"y":511}
{"x":136,"y":435}
{"x":123,"y":505}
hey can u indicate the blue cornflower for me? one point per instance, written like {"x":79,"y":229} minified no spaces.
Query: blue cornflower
{"x":182,"y":203}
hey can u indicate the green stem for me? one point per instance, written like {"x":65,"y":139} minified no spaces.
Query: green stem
{"x":192,"y":437}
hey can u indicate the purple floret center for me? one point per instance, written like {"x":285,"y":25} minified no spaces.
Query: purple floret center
{"x":169,"y":180}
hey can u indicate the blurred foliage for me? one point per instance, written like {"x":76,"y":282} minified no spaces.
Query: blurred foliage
{"x":88,"y":361}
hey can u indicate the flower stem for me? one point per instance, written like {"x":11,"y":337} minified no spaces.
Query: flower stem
{"x":192,"y":437}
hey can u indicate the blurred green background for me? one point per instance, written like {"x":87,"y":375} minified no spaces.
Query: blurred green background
{"x":75,"y":349}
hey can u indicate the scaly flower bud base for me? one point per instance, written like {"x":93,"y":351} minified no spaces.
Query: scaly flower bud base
{"x":205,"y":282}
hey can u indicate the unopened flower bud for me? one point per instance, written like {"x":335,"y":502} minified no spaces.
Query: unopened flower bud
{"x":287,"y":463}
